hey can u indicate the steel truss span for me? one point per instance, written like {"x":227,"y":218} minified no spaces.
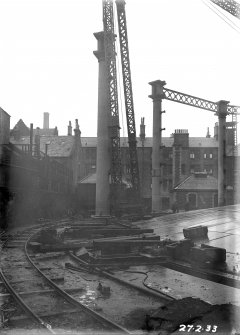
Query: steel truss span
{"x":191,"y":100}
{"x":230,"y":6}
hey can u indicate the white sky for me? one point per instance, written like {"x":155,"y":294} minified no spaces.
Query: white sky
{"x":47,"y":62}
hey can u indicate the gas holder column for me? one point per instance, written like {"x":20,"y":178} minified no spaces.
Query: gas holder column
{"x":103,"y":150}
{"x":222,"y":113}
{"x":157,"y":96}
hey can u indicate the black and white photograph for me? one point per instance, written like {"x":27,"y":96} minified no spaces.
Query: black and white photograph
{"x":119,"y":167}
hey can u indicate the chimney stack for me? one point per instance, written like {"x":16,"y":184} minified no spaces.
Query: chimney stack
{"x":45,"y":120}
{"x":70,"y":129}
{"x":208,"y":133}
{"x":77,"y":129}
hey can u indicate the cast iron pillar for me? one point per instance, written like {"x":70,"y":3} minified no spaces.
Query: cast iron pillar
{"x":157,"y":96}
{"x":222,"y":113}
{"x":103,"y":150}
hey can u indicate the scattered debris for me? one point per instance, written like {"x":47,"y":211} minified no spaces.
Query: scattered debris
{"x":195,"y":312}
{"x":105,"y":290}
{"x":207,"y":253}
{"x":179,"y":249}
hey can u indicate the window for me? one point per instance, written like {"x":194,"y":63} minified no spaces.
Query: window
{"x":204,"y":155}
{"x":192,"y":155}
{"x":211,"y":156}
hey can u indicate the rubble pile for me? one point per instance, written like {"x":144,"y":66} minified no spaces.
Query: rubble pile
{"x":178,"y":315}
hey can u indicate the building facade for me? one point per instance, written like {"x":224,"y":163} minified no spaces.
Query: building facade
{"x":181,"y":157}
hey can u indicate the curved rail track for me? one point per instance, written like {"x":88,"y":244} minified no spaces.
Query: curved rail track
{"x":59,"y":310}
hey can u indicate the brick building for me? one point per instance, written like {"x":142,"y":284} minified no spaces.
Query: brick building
{"x":182,"y":157}
{"x":38,"y":173}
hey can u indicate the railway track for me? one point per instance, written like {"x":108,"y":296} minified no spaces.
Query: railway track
{"x":38,"y":302}
{"x":125,"y":301}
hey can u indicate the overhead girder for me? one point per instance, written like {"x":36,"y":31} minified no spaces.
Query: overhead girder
{"x":231,"y":6}
{"x":191,"y":100}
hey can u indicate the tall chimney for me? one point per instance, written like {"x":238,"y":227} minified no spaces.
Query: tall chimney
{"x":70,"y":129}
{"x":45,"y":120}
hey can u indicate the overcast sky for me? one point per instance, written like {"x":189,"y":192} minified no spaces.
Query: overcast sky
{"x":47,"y":62}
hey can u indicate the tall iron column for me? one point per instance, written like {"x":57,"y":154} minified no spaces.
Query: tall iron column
{"x":221,"y":113}
{"x":103,"y":149}
{"x":157,"y":96}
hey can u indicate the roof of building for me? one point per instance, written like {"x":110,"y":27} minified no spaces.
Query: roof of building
{"x":89,"y":179}
{"x":3,"y":111}
{"x":46,"y":132}
{"x":57,"y":146}
{"x":198,"y":182}
{"x":21,"y":127}
{"x":203,"y":142}
{"x":25,"y":130}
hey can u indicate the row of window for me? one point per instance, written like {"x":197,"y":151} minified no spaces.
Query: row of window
{"x":205,"y":156}
{"x":209,"y":171}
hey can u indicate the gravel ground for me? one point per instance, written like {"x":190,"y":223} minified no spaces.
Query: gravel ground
{"x":123,"y":305}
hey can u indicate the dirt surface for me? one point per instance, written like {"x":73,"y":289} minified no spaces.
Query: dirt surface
{"x":122,"y":305}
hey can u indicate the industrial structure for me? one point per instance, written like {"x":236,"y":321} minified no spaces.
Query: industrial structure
{"x":221,"y":109}
{"x":109,"y":171}
{"x":109,"y":160}
{"x":77,"y":249}
{"x":139,"y":172}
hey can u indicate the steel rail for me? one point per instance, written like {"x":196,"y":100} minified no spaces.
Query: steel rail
{"x":20,"y":301}
{"x":153,"y":292}
{"x":73,"y":301}
{"x":22,"y":304}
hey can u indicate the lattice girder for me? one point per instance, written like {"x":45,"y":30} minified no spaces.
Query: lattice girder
{"x":128,"y":94}
{"x":110,"y":60}
{"x":191,"y":100}
{"x":230,"y":6}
